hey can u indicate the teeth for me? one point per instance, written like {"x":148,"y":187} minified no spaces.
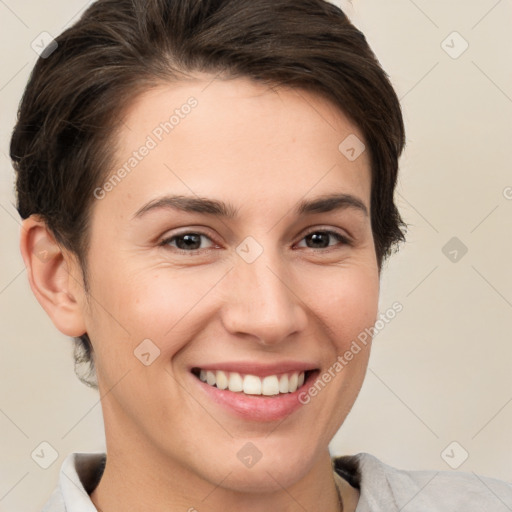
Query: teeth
{"x":235,"y":382}
{"x":283,"y":384}
{"x":210,"y":378}
{"x":270,"y":386}
{"x":292,"y":383}
{"x":251,"y":384}
{"x":222,"y":380}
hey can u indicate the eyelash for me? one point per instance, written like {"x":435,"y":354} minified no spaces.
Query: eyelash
{"x":165,"y":242}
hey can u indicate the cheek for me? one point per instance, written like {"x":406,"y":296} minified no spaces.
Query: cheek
{"x":346,"y":300}
{"x":164,"y":302}
{"x":157,"y":304}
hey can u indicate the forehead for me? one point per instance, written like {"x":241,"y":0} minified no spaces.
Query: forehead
{"x":221,"y":138}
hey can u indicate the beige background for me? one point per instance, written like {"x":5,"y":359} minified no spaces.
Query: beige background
{"x":440,"y":371}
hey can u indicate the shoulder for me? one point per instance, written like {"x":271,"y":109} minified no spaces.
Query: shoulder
{"x":55,"y":502}
{"x":79,"y":475}
{"x":385,"y":488}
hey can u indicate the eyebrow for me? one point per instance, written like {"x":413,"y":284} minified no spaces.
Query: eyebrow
{"x":322,"y":204}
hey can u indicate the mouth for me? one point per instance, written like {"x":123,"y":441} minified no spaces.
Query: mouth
{"x":253,"y":391}
{"x":269,"y":386}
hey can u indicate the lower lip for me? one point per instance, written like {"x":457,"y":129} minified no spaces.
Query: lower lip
{"x":257,"y":407}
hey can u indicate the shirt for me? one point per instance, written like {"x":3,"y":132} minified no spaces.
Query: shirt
{"x":382,"y":488}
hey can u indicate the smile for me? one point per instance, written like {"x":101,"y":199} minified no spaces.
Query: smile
{"x":270,"y":385}
{"x":255,"y":391}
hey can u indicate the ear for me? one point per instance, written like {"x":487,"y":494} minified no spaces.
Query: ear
{"x":54,"y":276}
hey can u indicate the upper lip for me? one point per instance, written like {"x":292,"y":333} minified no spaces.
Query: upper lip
{"x":258,"y":369}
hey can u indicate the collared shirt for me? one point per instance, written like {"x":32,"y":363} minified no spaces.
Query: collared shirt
{"x":382,"y":488}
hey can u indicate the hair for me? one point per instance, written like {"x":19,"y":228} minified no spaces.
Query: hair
{"x":62,"y":144}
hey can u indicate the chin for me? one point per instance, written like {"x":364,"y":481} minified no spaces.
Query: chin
{"x":265,"y":477}
{"x":264,"y":465}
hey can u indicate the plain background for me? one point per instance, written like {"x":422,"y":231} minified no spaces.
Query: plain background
{"x":440,"y":371}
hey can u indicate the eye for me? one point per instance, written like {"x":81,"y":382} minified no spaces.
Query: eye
{"x":190,"y":242}
{"x":319,"y":239}
{"x":187,"y":242}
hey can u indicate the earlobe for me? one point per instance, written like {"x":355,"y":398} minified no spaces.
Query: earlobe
{"x":53,"y":277}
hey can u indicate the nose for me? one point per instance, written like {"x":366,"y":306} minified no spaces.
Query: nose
{"x":262,"y":301}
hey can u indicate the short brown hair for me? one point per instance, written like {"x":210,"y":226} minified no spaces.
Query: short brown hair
{"x":61,"y":147}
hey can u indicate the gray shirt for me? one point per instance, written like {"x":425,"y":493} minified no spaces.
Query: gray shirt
{"x":382,"y":488}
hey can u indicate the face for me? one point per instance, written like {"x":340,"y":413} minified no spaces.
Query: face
{"x":264,"y":288}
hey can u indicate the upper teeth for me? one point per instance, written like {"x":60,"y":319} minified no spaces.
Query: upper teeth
{"x":253,"y":385}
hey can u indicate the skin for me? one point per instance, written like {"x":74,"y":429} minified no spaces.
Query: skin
{"x":261,"y":150}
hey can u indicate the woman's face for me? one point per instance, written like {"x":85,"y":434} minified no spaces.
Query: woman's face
{"x":267,"y":289}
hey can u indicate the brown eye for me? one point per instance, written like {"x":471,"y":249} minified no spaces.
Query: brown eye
{"x":187,"y":242}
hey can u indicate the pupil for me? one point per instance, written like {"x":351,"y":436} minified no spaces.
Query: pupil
{"x":317,"y":238}
{"x":191,"y":241}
